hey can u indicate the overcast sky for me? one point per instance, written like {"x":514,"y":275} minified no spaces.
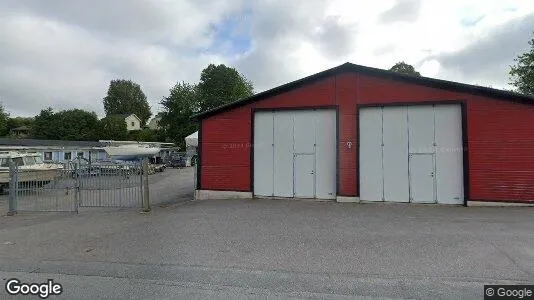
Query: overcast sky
{"x":63,"y":53}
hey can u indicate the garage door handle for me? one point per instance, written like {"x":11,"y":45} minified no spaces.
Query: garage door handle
{"x":312,"y":172}
{"x":432,"y":174}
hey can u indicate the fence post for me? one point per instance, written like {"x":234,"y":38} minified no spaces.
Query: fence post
{"x":146,"y":193}
{"x":77,"y":184}
{"x":13,"y":189}
{"x":195,"y":177}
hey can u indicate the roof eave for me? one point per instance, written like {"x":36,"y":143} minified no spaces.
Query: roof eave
{"x":352,"y":68}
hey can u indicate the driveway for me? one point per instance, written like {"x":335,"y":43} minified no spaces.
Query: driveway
{"x":172,"y":185}
{"x":274,"y":249}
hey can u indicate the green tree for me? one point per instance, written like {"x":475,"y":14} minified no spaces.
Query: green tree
{"x":126,"y":97}
{"x":147,"y":135}
{"x":4,"y":116}
{"x":113,"y":128}
{"x":43,"y":125}
{"x":522,"y":73}
{"x":178,"y":107}
{"x":218,"y":85}
{"x":221,"y":85}
{"x":18,"y":122}
{"x":72,"y":124}
{"x":144,"y":135}
{"x":77,"y":124}
{"x":404,"y":68}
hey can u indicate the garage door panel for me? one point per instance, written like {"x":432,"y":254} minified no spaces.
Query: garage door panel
{"x":421,"y":129}
{"x":421,"y":155}
{"x":304,"y":127}
{"x":449,"y":154}
{"x":283,"y":154}
{"x":395,"y":137}
{"x":304,"y":138}
{"x":370,"y":162}
{"x":325,"y":154}
{"x":263,"y":153}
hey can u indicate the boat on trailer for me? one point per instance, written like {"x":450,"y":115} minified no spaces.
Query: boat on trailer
{"x":131,"y":152}
{"x":30,"y":166}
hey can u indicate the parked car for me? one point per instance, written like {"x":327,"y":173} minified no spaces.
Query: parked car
{"x":177,"y":162}
{"x":82,"y":168}
{"x":160,"y":167}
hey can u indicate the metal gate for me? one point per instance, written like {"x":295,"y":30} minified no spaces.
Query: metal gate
{"x":110,"y":185}
{"x":78,"y":184}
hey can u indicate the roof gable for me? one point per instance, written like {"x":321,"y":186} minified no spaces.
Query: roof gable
{"x":375,"y":72}
{"x":124,"y":116}
{"x":135,"y":116}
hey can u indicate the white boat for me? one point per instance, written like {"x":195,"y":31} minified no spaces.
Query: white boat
{"x":31,"y":168}
{"x":131,"y":151}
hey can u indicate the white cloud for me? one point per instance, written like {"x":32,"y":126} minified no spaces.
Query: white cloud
{"x":64,"y":53}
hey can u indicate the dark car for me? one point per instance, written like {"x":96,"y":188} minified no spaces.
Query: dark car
{"x":177,"y":162}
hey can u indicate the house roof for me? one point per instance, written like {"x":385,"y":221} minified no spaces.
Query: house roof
{"x":21,"y":128}
{"x":353,"y":68}
{"x":155,"y":119}
{"x":124,"y":116}
{"x":49,"y":143}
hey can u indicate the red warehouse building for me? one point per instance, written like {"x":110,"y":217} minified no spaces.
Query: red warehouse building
{"x":354,"y":133}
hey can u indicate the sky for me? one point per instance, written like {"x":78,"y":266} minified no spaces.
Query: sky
{"x":63,"y":53}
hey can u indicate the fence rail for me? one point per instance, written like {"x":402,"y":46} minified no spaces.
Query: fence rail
{"x":77,"y":184}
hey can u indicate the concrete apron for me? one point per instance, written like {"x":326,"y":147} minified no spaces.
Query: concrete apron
{"x":224,"y":195}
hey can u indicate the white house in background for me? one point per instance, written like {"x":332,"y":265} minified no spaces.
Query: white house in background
{"x":132,"y":121}
{"x":154,"y":123}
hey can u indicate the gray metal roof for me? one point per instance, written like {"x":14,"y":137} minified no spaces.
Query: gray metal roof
{"x":352,"y":68}
{"x":122,"y":116}
{"x":6,"y":143}
{"x":49,"y":143}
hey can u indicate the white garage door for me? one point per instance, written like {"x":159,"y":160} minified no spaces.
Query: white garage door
{"x":411,"y":154}
{"x":295,"y":154}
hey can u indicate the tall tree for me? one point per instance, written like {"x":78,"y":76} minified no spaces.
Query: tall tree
{"x":522,"y":73}
{"x":4,"y":116}
{"x":178,"y":107}
{"x":126,"y":97}
{"x":73,"y":124}
{"x":404,"y":68}
{"x":221,"y":85}
{"x":144,"y":135}
{"x":18,"y":122}
{"x":113,"y":128}
{"x":218,"y":85}
{"x":77,"y":124}
{"x":43,"y":126}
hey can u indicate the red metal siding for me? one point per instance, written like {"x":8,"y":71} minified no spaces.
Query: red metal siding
{"x":501,"y":136}
{"x":501,"y":150}
{"x":225,"y":157}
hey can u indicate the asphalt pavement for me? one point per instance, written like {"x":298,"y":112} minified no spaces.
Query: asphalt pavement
{"x":274,"y":249}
